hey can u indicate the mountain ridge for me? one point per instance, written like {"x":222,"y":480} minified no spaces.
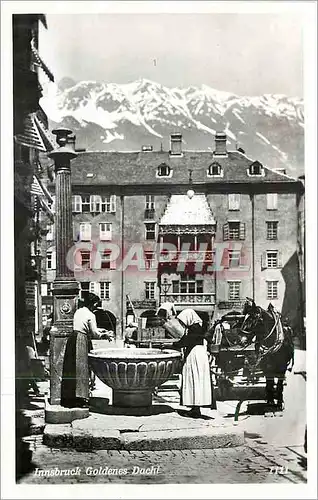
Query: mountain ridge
{"x":114,"y":117}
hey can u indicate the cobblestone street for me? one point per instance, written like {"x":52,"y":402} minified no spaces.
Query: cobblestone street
{"x":273,"y":452}
{"x":253,"y":463}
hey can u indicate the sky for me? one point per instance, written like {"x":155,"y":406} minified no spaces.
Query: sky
{"x":246,"y":54}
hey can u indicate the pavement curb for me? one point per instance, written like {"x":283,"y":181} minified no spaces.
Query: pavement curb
{"x":65,"y":436}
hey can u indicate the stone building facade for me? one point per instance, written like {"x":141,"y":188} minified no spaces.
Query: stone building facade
{"x":201,"y":229}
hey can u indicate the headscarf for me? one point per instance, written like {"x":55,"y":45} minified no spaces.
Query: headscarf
{"x":167,"y":306}
{"x":189,"y":317}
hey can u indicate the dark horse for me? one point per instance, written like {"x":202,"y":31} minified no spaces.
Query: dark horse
{"x":274,"y":347}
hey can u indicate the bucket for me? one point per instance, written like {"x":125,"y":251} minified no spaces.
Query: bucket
{"x":142,"y":322}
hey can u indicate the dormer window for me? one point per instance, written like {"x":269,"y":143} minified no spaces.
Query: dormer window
{"x":256,"y":168}
{"x":163,"y":170}
{"x":215,"y":169}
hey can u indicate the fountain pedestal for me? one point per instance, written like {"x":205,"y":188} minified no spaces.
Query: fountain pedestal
{"x":134,"y":373}
{"x":132,"y":399}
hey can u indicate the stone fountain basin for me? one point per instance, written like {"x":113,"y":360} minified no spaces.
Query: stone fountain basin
{"x":133,"y":373}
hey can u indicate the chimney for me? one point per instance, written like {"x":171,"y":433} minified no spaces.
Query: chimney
{"x":220,"y":144}
{"x":71,"y":141}
{"x":176,"y":144}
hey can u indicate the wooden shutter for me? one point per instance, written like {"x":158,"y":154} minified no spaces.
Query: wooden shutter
{"x":85,"y":231}
{"x":264,"y":260}
{"x":279,"y":259}
{"x":234,"y":201}
{"x":113,"y":203}
{"x":242,"y":230}
{"x":226,"y":231}
{"x":76,"y":203}
{"x":225,"y":258}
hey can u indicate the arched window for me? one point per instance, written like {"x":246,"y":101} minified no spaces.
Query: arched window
{"x":256,"y":168}
{"x":163,"y":170}
{"x":215,"y":169}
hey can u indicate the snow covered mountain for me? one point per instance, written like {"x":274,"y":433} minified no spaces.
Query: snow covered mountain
{"x":110,"y":116}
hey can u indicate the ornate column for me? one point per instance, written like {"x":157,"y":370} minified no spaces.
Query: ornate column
{"x":65,"y":288}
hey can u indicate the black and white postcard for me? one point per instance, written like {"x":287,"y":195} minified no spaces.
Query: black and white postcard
{"x":158,"y":249}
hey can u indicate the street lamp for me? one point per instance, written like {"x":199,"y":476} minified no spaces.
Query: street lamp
{"x":190,"y":192}
{"x":165,"y":287}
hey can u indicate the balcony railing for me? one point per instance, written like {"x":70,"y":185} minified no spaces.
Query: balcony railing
{"x":188,"y":298}
{"x":189,"y":256}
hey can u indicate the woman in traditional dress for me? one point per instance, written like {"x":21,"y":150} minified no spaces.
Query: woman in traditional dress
{"x":75,"y":381}
{"x":196,"y":386}
{"x":166,"y":310}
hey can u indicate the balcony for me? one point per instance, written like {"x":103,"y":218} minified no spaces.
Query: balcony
{"x":189,"y":256}
{"x":189,"y":299}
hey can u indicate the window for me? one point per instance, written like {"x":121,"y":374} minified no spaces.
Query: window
{"x":256,"y":168}
{"x":215,"y":169}
{"x":108,"y":203}
{"x":272,"y":230}
{"x":234,"y":258}
{"x":234,"y":230}
{"x":85,"y":258}
{"x":86,"y":205}
{"x":272,"y":259}
{"x":105,"y":231}
{"x":85,"y":231}
{"x":50,"y":232}
{"x":150,"y":202}
{"x":93,"y":287}
{"x":149,"y":260}
{"x":105,"y":290}
{"x":187,"y":284}
{"x":95,"y":203}
{"x":272,"y":290}
{"x":150,"y":290}
{"x":49,"y":260}
{"x":271,"y":201}
{"x":163,"y":170}
{"x":150,"y":230}
{"x":234,"y":201}
{"x":76,"y":203}
{"x":234,"y":290}
{"x":85,"y":288}
{"x":106,"y":262}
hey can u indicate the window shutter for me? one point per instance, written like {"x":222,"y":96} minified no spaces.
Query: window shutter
{"x":94,"y":287}
{"x":242,"y":230}
{"x":113,"y":203}
{"x":225,"y":258}
{"x":76,"y":235}
{"x":226,"y":231}
{"x":279,"y":259}
{"x":89,"y":231}
{"x":113,"y":264}
{"x":76,"y":203}
{"x":85,"y":232}
{"x":264,"y":260}
{"x":234,"y":201}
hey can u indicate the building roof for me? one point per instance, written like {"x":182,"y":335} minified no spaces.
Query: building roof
{"x":140,"y":168}
{"x":182,"y":210}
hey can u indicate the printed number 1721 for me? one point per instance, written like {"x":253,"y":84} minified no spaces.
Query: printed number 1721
{"x":278,"y":470}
